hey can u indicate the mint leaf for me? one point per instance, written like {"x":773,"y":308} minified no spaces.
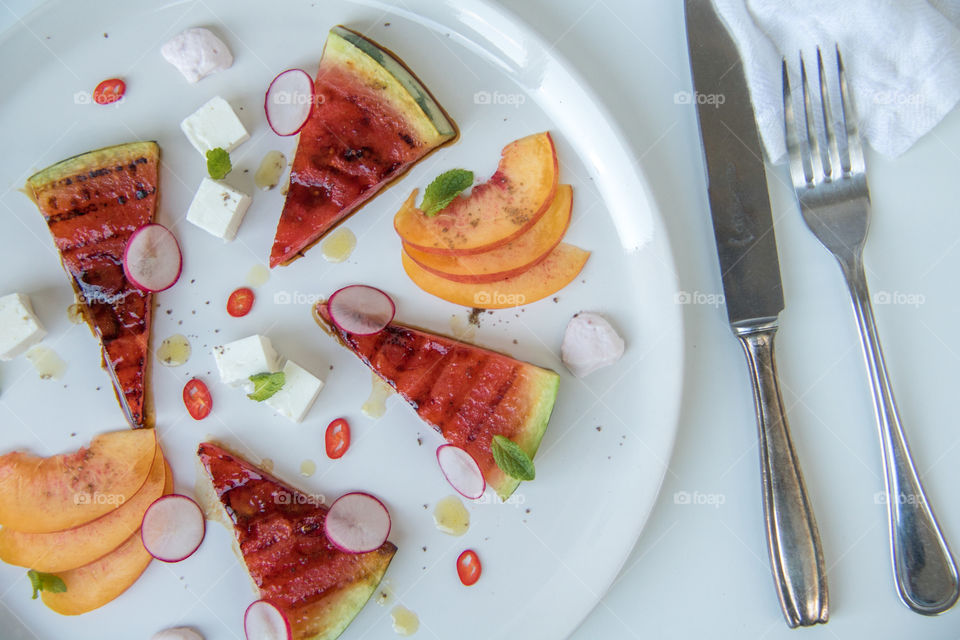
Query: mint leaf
{"x":34,"y":578}
{"x":218,"y":163}
{"x":45,"y":582}
{"x":265,"y":385}
{"x":444,"y":188}
{"x":511,"y":459}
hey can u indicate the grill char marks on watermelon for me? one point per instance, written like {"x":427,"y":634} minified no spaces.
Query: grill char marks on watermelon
{"x":281,"y":538}
{"x":372,"y":120}
{"x":469,"y":394}
{"x":92,"y":204}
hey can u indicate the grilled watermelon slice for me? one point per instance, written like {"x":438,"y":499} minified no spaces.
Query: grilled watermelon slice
{"x":92,"y":203}
{"x":467,"y":393}
{"x":372,"y":120}
{"x":279,"y":531}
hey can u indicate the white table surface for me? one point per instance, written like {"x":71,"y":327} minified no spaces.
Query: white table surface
{"x":700,"y":566}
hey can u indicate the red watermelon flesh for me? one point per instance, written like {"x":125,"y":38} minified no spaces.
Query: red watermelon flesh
{"x":371,"y":121}
{"x":279,"y":530}
{"x":92,"y":204}
{"x":469,"y":394}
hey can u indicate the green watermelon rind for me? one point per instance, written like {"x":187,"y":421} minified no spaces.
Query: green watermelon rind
{"x":343,"y":606}
{"x":339,"y":608}
{"x":383,"y":70}
{"x":104,"y":157}
{"x":530,"y":433}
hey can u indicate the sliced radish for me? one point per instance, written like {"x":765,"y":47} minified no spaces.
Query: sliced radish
{"x":461,"y":471}
{"x":289,"y":101}
{"x":357,"y":523}
{"x":264,"y":621}
{"x":173,"y":528}
{"x":360,"y":309}
{"x":152,"y":259}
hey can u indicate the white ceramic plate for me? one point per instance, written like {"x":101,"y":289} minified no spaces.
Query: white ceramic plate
{"x":549,"y":556}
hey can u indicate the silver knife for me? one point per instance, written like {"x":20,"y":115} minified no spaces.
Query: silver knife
{"x":750,"y":269}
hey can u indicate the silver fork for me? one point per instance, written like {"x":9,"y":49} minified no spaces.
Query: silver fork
{"x":830,"y":179}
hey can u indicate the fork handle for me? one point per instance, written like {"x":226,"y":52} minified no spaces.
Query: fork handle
{"x":924,"y":570}
{"x":793,"y":540}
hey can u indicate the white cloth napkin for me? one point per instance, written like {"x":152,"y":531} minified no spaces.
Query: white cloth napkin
{"x":902,"y":59}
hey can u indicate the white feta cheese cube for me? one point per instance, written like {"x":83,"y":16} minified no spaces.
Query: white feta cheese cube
{"x":20,"y":328}
{"x":214,"y":125}
{"x":240,"y":359}
{"x":196,"y":53}
{"x":218,"y":209}
{"x":298,"y":393}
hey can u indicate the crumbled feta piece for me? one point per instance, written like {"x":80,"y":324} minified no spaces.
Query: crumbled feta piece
{"x":298,"y":393}
{"x":20,"y":328}
{"x":214,"y":125}
{"x":177,"y":633}
{"x":590,"y":343}
{"x":218,"y":209}
{"x":240,"y":359}
{"x":196,"y":53}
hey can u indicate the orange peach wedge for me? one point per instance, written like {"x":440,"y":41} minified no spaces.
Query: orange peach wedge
{"x":495,"y":212}
{"x":62,"y":550}
{"x":93,"y":585}
{"x":546,"y":278}
{"x":39,"y":495}
{"x":511,"y":259}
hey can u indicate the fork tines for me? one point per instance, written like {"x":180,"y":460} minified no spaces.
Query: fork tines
{"x":821,"y":156}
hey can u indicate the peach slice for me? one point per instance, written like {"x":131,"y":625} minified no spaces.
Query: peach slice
{"x":93,"y":585}
{"x":39,"y":495}
{"x":167,"y":479}
{"x":63,"y":550}
{"x":511,"y":259}
{"x":494,"y":213}
{"x":555,"y":272}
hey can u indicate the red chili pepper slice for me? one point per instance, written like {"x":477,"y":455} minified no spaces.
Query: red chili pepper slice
{"x":197,"y":399}
{"x":337,"y":438}
{"x":109,"y":91}
{"x":240,"y":302}
{"x":468,"y":567}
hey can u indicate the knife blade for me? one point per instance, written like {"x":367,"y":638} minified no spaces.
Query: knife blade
{"x":743,"y":225}
{"x":750,"y":272}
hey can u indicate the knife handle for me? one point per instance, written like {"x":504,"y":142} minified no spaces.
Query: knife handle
{"x":793,"y":540}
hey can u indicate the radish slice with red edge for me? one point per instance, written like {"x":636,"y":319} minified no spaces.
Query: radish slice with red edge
{"x":289,"y":101}
{"x":173,"y":528}
{"x":357,"y":523}
{"x":360,"y":309}
{"x":461,"y":471}
{"x":152,"y":259}
{"x":264,"y":621}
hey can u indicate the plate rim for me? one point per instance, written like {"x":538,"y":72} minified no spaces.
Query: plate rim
{"x":658,"y":239}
